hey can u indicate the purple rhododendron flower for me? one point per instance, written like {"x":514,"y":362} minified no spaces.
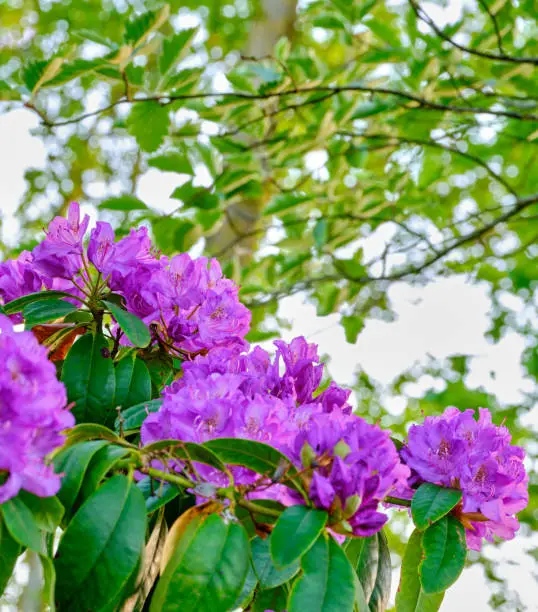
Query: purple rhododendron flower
{"x":191,"y":307}
{"x":60,"y":254}
{"x":457,"y":450}
{"x":18,"y":277}
{"x":32,"y":415}
{"x":247,"y":395}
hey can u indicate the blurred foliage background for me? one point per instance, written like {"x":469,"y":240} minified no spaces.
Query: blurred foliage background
{"x":298,"y":130}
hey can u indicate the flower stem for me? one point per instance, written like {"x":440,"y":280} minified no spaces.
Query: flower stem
{"x":245,"y":503}
{"x":176,"y":479}
{"x":397,"y":501}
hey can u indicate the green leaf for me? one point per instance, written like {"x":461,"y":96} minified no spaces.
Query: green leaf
{"x":352,"y":326}
{"x":430,"y":503}
{"x":256,"y":456}
{"x":133,"y":382}
{"x":134,"y":328}
{"x":371,"y":559}
{"x":89,"y":431}
{"x":172,"y":162}
{"x":248,"y":517}
{"x":268,"y":574}
{"x":295,"y":532}
{"x":196,"y":197}
{"x":202,"y":578}
{"x":174,"y":50}
{"x":75,"y":69}
{"x":10,"y":550}
{"x":132,"y":418}
{"x":39,"y":72}
{"x":156,"y":493}
{"x":321,"y":232}
{"x":95,"y":37}
{"x":20,"y":303}
{"x":327,"y":580}
{"x":123,"y":203}
{"x":45,"y":311}
{"x":138,"y":28}
{"x":148,"y":122}
{"x":21,"y":524}
{"x":330,"y":22}
{"x":285,"y":202}
{"x":47,"y":511}
{"x":247,"y":592}
{"x":379,"y":599}
{"x":271,"y":599}
{"x":73,"y":463}
{"x":445,"y":551}
{"x":101,"y":547}
{"x":101,"y":463}
{"x":88,"y":374}
{"x":410,"y":596}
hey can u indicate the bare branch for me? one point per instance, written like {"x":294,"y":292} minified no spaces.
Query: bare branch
{"x":328,"y":91}
{"x":501,"y":57}
{"x":473,"y":236}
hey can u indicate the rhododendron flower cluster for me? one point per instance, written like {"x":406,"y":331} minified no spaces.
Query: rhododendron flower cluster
{"x":456,"y":450}
{"x":351,"y":465}
{"x":32,"y":415}
{"x":188,"y":303}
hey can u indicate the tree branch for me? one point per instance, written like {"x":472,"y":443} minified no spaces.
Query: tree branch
{"x":517,"y":208}
{"x":329,"y":92}
{"x":501,"y":57}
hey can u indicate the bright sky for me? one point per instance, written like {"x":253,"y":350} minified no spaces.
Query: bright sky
{"x":444,"y":318}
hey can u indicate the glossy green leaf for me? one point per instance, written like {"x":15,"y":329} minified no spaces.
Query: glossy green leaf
{"x":249,"y":519}
{"x":268,"y":574}
{"x":45,"y":311}
{"x":259,"y":457}
{"x":47,"y":511}
{"x":156,"y":493}
{"x":20,"y":303}
{"x":410,"y":596}
{"x":379,"y":599}
{"x":10,"y":550}
{"x":370,"y":557}
{"x":73,"y":463}
{"x":202,"y":578}
{"x":445,"y":551}
{"x":132,"y":418}
{"x":431,"y":502}
{"x":101,"y":463}
{"x":327,"y":580}
{"x":295,"y":532}
{"x":270,"y":599}
{"x":101,"y":547}
{"x":133,"y":327}
{"x":89,"y":431}
{"x":133,"y":382}
{"x":88,"y":374}
{"x":21,"y":524}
